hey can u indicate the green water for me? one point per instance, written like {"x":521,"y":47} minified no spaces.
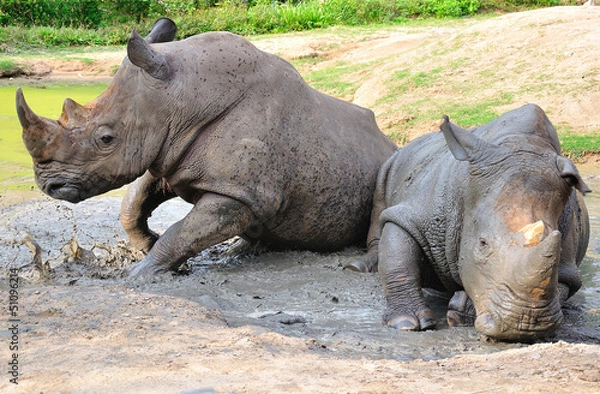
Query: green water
{"x":45,"y":100}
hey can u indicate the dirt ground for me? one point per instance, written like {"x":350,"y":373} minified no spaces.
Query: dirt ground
{"x":277,"y":322}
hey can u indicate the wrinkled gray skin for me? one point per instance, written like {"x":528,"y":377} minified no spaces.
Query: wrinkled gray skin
{"x":231,"y":129}
{"x":455,"y":211}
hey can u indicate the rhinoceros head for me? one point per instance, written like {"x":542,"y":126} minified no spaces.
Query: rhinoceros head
{"x":510,"y":244}
{"x":103,"y":145}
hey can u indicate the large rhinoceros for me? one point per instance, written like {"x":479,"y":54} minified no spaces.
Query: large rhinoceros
{"x":229,"y":128}
{"x":496,"y":213}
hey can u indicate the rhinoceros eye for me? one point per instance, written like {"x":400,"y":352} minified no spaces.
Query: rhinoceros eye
{"x":107,"y":139}
{"x":104,"y":137}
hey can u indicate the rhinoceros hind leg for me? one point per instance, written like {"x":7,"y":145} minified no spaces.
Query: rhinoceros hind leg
{"x":366,"y":263}
{"x":399,"y":259}
{"x":461,"y":310}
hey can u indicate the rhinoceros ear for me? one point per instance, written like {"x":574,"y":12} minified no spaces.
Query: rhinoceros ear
{"x":141,"y":54}
{"x":569,"y":172}
{"x":463,"y":144}
{"x":164,"y":30}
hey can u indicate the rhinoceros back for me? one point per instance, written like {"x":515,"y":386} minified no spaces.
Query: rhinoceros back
{"x":304,"y":162}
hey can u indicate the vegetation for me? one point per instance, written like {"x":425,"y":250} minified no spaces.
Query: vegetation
{"x":50,"y":23}
{"x":10,"y":67}
{"x":577,"y":147}
{"x":30,"y":27}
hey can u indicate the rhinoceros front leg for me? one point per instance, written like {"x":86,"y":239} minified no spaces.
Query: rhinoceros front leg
{"x":399,"y":259}
{"x":143,"y":196}
{"x":215,"y":218}
{"x":461,"y":310}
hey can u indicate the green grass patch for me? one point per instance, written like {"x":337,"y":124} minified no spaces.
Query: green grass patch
{"x":336,"y":80}
{"x":471,"y":115}
{"x":10,"y":68}
{"x":113,"y":21}
{"x":423,"y":79}
{"x":577,"y":147}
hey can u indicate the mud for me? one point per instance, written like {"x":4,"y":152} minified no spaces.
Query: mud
{"x":245,"y":312}
{"x":299,"y":294}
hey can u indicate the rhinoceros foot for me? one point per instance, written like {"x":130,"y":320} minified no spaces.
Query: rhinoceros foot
{"x":147,"y":268}
{"x":421,"y":320}
{"x":368,"y":263}
{"x":461,"y":311}
{"x":357,"y":266}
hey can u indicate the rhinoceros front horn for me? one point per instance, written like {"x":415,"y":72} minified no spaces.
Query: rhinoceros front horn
{"x":26,"y":115}
{"x":539,"y":273}
{"x":38,"y":132}
{"x":142,"y":54}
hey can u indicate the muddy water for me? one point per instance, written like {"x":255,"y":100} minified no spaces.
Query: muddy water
{"x":300,"y":294}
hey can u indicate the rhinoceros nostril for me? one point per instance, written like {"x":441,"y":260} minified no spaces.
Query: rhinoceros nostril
{"x":54,"y":188}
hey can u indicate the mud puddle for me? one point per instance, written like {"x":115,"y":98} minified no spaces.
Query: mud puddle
{"x":297,"y":294}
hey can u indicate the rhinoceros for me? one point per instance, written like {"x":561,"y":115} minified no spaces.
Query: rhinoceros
{"x":494,"y":215}
{"x":231,"y":129}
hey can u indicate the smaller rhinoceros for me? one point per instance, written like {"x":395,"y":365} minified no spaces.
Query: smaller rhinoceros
{"x":495,"y":214}
{"x":231,"y":129}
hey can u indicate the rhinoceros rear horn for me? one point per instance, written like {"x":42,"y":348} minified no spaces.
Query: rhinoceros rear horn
{"x":73,"y":114}
{"x":569,"y":172}
{"x":141,"y":54}
{"x":164,"y":30}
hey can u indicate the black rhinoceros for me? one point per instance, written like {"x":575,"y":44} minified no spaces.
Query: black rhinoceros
{"x":229,"y":128}
{"x":496,"y":213}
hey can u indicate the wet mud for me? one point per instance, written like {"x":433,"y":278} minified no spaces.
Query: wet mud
{"x":297,"y":294}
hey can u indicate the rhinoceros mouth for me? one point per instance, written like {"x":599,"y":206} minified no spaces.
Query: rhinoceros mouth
{"x":515,"y":319}
{"x":63,"y":191}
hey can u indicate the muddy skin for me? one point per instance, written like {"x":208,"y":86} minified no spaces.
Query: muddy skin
{"x":496,"y":212}
{"x":231,"y":129}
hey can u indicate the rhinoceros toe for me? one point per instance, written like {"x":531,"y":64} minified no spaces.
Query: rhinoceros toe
{"x":143,"y":242}
{"x":146,"y":269}
{"x":366,"y":263}
{"x":423,"y":320}
{"x":461,"y":310}
{"x":357,"y":266}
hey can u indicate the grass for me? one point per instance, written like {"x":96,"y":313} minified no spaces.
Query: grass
{"x":416,"y":93}
{"x":337,"y":80}
{"x":10,"y":67}
{"x":577,"y":147}
{"x":247,"y":18}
